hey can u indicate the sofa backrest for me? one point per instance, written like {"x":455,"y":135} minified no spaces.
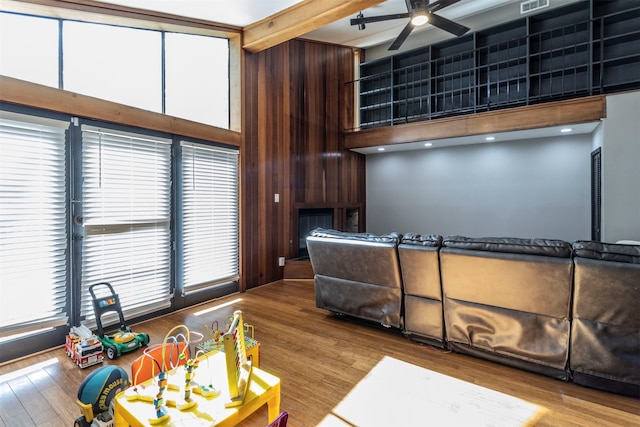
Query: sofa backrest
{"x":357,"y":274}
{"x":360,"y":257}
{"x":531,"y":275}
{"x":420,"y":265}
{"x":509,"y":298}
{"x":605,"y":337}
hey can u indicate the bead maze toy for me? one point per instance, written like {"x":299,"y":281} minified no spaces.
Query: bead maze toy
{"x":215,"y":341}
{"x":164,"y":382}
{"x":238,"y":366}
{"x":83,"y":347}
{"x":122,"y":341}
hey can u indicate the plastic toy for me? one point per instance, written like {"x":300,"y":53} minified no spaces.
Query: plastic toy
{"x":215,"y":341}
{"x":156,"y":394}
{"x":123,"y":341}
{"x":238,"y":365}
{"x":83,"y":347}
{"x":96,"y":394}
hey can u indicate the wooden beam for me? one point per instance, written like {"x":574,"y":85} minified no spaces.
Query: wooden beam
{"x":299,"y":19}
{"x":573,"y":111}
{"x":21,"y":92}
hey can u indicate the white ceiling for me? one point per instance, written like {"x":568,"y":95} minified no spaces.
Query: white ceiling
{"x":476,"y":14}
{"x":239,"y":13}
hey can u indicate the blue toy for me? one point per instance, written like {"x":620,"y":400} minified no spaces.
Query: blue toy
{"x":96,"y":393}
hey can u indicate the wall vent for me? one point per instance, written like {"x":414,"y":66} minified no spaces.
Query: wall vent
{"x":531,"y":5}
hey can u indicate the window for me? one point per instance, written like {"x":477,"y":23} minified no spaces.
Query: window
{"x":184,"y":75}
{"x":126,"y":213}
{"x":198,"y":66}
{"x":33,"y":223}
{"x":210,"y":215}
{"x":118,"y":64}
{"x":29,"y":48}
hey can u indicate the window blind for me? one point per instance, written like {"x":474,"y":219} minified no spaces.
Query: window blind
{"x":33,"y":217}
{"x":210,"y":215}
{"x":126,"y":214}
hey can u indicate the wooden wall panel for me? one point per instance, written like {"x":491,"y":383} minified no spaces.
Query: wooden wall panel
{"x":295,"y":111}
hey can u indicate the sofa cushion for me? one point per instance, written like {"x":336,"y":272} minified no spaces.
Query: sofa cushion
{"x":361,"y":237}
{"x":607,"y":251}
{"x":544,"y":247}
{"x":430,"y":240}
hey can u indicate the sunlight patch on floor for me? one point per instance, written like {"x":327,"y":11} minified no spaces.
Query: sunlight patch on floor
{"x":217,"y":307}
{"x":397,"y":393}
{"x":27,"y":370}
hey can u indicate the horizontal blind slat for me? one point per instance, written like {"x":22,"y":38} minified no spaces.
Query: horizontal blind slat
{"x":210,"y":215}
{"x":33,"y":212}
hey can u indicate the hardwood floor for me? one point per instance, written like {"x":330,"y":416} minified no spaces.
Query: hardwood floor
{"x":319,"y":358}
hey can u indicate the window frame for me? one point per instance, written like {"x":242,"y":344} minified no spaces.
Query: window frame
{"x":149,"y":20}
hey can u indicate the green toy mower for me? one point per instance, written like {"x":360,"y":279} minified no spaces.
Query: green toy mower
{"x":122,"y":341}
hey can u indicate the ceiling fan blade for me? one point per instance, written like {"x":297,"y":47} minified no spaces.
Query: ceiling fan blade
{"x":447,"y":25}
{"x":409,"y":5}
{"x":402,"y":37}
{"x":440,"y":4}
{"x":369,"y":19}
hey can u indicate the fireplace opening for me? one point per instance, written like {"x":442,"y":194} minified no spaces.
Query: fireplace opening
{"x":308,"y":219}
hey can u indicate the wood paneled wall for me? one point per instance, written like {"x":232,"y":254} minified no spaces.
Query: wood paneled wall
{"x":297,"y":103}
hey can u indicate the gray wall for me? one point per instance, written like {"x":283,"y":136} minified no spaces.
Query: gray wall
{"x":534,"y":188}
{"x":620,"y":142}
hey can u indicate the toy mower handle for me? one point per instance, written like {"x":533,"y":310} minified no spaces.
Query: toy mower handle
{"x":106,"y":304}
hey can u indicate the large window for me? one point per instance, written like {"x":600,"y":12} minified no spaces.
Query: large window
{"x":209,"y":215}
{"x":33,"y":217}
{"x":29,"y":48}
{"x":126,"y":214}
{"x":198,"y":66}
{"x":175,"y":73}
{"x":118,"y":64}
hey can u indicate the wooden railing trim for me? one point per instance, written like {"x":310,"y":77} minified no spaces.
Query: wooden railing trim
{"x":572,"y":111}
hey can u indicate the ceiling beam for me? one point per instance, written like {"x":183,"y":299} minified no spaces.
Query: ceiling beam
{"x":299,"y":19}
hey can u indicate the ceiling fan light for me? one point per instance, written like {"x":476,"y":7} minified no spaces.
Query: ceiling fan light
{"x":419,"y":19}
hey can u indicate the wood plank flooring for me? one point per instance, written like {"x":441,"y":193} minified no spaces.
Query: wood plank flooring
{"x":319,"y":358}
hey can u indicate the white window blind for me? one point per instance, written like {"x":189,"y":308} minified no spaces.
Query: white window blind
{"x":33,"y":215}
{"x":210,"y":215}
{"x":126,"y":217}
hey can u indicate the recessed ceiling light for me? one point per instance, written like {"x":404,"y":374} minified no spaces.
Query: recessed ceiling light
{"x":381,"y":149}
{"x":490,"y":138}
{"x":428,"y":144}
{"x":565,"y":130}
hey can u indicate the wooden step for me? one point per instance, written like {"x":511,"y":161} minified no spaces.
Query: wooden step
{"x":298,"y":269}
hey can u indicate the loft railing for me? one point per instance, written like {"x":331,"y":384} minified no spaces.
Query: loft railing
{"x":592,"y":56}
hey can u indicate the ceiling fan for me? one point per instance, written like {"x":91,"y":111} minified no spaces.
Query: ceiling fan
{"x":421,"y":12}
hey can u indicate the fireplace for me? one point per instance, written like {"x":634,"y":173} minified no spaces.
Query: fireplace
{"x":308,"y":219}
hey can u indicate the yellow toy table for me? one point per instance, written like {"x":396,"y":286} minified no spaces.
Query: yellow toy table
{"x":213,"y":411}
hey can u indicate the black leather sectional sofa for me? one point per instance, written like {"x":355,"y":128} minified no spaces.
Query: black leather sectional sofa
{"x":566,"y":310}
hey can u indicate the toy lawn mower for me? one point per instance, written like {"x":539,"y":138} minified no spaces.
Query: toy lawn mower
{"x":122,"y":341}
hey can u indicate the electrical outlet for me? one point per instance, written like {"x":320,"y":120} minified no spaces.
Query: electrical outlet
{"x":281,"y":261}
{"x":276,"y":198}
